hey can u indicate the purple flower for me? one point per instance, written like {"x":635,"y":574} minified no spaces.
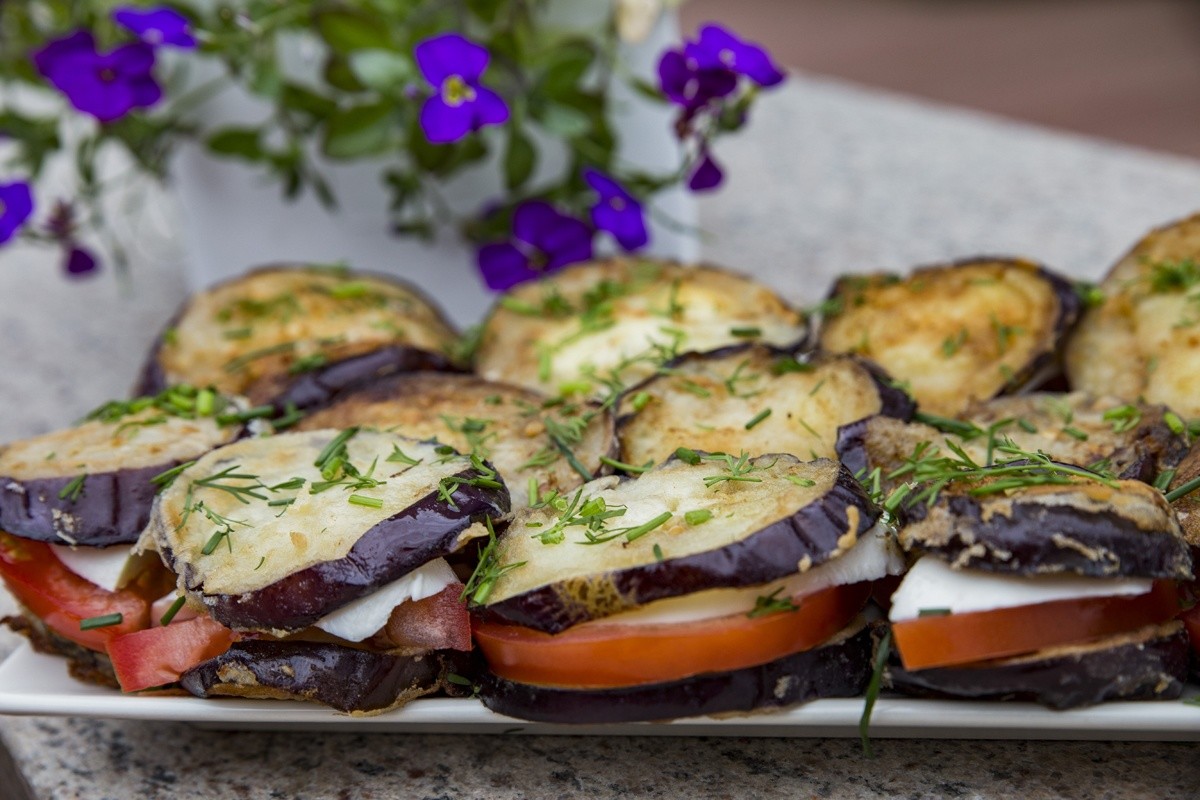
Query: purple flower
{"x":686,"y":85}
{"x":717,"y":48}
{"x":617,"y":211}
{"x":543,"y":240}
{"x":16,"y":206}
{"x":707,"y":174}
{"x":460,"y":104}
{"x":106,"y":85}
{"x":156,"y":26}
{"x":78,"y":262}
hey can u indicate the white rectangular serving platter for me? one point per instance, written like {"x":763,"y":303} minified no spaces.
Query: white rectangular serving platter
{"x":35,"y":684}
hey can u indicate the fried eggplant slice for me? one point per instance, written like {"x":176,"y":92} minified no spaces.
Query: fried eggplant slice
{"x":93,"y":484}
{"x":1099,"y":528}
{"x":292,"y":319}
{"x":1143,"y":339}
{"x":752,"y":398}
{"x":350,"y":680}
{"x":1147,"y":664}
{"x":595,"y":328}
{"x":273,"y":534}
{"x":693,"y":523}
{"x":1128,"y":439}
{"x":840,"y":668}
{"x":956,"y":333}
{"x":554,"y":449}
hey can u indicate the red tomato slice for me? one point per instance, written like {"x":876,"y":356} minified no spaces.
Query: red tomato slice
{"x":955,"y":639}
{"x":1191,"y":621}
{"x":604,"y":654}
{"x":62,"y":599}
{"x":158,"y":656}
{"x":439,"y":622}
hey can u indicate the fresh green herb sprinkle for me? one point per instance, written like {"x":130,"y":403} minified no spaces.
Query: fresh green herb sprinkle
{"x":621,"y":465}
{"x":165,"y":478}
{"x":864,"y":722}
{"x":639,"y":401}
{"x":639,"y":531}
{"x":1175,"y":423}
{"x":658,"y":553}
{"x":172,"y":611}
{"x":687,"y":455}
{"x":933,"y":612}
{"x":697,"y":516}
{"x":214,"y":541}
{"x":363,"y":500}
{"x":1026,"y":425}
{"x":104,"y":621}
{"x":398,"y":456}
{"x":757,"y":418}
{"x":952,"y":344}
{"x":771,"y":604}
{"x":1162,"y":481}
{"x":745,"y":333}
{"x":1075,"y":433}
{"x":796,"y":479}
{"x":1183,"y":490}
{"x":73,"y":490}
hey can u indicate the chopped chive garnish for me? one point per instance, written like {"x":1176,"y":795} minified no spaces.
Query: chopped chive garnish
{"x":258,"y":412}
{"x":211,"y":545}
{"x":104,"y":621}
{"x":363,"y":500}
{"x":639,"y":400}
{"x":933,"y":612}
{"x":698,"y":516}
{"x":398,"y":456}
{"x":1075,"y":433}
{"x":1185,"y":489}
{"x":1163,"y":480}
{"x":641,"y":530}
{"x":658,"y":553}
{"x":1175,"y":423}
{"x":757,"y":418}
{"x":687,"y":455}
{"x":165,"y":478}
{"x":172,"y":611}
{"x":1026,"y":425}
{"x":796,"y":479}
{"x":330,"y":451}
{"x":72,"y":491}
{"x":291,"y":415}
{"x":261,"y":561}
{"x":864,"y":722}
{"x":745,"y":333}
{"x":621,"y":465}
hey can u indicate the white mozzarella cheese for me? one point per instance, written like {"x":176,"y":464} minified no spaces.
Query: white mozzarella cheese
{"x":366,"y":615}
{"x":932,"y":584}
{"x":109,"y":568}
{"x":873,"y":557}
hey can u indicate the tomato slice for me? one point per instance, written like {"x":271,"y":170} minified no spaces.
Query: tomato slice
{"x":606,"y":654}
{"x":62,"y":599}
{"x":956,"y":639}
{"x":438,"y":622}
{"x":158,"y":656}
{"x":1191,"y":621}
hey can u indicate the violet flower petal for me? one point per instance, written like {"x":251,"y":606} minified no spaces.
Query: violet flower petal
{"x":718,"y":48}
{"x":504,"y":266}
{"x":617,"y":211}
{"x":489,"y":107}
{"x":444,"y":56}
{"x":79,"y":262}
{"x":156,"y":26}
{"x":568,"y":242}
{"x":707,"y":174}
{"x":533,"y":221}
{"x":16,"y":206}
{"x":445,"y":123}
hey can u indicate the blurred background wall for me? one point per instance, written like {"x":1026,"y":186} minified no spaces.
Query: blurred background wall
{"x":1122,"y":69}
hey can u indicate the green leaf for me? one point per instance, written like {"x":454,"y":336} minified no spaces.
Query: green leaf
{"x":382,"y":70}
{"x":236,"y":142}
{"x":300,"y":98}
{"x":563,"y":121}
{"x":648,"y":90}
{"x":358,"y":131}
{"x":486,"y":10}
{"x":519,"y":159}
{"x":346,"y":31}
{"x":339,"y":75}
{"x":565,"y":69}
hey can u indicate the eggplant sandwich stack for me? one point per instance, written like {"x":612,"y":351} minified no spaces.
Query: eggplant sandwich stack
{"x":707,"y":584}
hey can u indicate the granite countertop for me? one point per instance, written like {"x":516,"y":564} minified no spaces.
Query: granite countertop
{"x":828,"y":178}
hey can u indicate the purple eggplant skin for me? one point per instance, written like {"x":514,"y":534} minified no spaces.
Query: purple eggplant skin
{"x":809,"y":535}
{"x":347,"y":679}
{"x":426,"y":530}
{"x":839,"y":669}
{"x":318,"y":387}
{"x":1151,"y":665}
{"x":1023,"y":535}
{"x":112,"y":507}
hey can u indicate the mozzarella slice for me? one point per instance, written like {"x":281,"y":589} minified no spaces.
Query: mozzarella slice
{"x":932,"y":584}
{"x":110,"y":568}
{"x":365,"y":616}
{"x":873,"y":557}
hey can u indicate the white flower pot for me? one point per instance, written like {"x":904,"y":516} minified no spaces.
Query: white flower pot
{"x":235,"y":217}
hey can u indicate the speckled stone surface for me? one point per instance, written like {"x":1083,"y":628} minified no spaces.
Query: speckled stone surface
{"x":829,"y":178}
